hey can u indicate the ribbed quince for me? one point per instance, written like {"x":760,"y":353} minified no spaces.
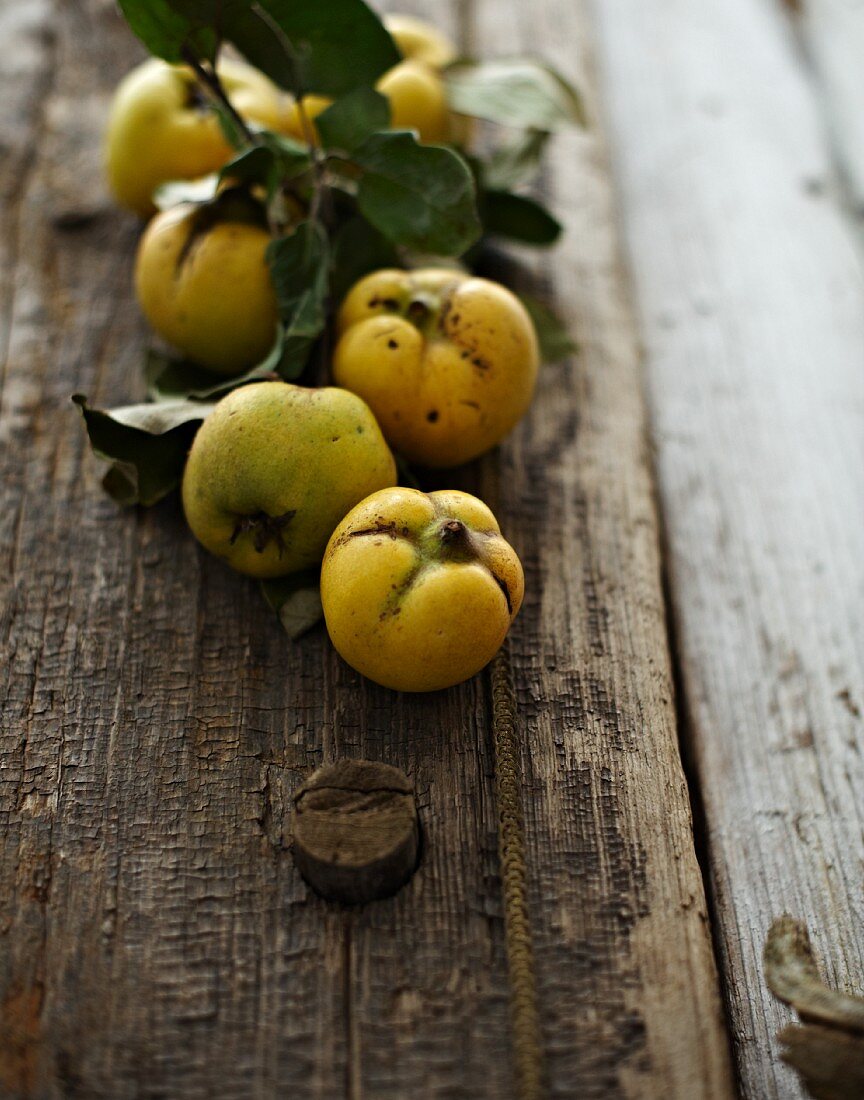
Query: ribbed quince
{"x":419,"y":591}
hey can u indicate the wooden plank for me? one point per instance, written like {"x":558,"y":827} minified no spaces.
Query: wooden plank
{"x":626,"y":976}
{"x":156,"y":939}
{"x":833,"y":33}
{"x":752,"y":304}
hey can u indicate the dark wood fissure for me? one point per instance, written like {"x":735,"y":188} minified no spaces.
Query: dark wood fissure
{"x":686,"y":743}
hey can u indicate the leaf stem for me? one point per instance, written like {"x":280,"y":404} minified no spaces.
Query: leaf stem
{"x":319,"y":168}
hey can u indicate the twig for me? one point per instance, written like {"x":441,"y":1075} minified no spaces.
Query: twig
{"x":211,"y":82}
{"x":319,"y":169}
{"x":318,"y":161}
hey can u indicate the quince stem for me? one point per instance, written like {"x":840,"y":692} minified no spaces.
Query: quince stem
{"x":455,"y":541}
{"x":453,"y":531}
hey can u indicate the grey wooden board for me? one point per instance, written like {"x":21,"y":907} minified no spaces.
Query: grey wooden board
{"x":751,"y":297}
{"x":155,"y":938}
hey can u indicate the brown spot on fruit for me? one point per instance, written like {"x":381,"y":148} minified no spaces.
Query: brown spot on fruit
{"x":380,"y":529}
{"x":432,"y":416}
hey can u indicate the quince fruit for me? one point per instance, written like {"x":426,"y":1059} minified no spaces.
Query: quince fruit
{"x":203,"y":282}
{"x":162,"y":127}
{"x":274,"y":468}
{"x":419,"y":591}
{"x":446,"y":361}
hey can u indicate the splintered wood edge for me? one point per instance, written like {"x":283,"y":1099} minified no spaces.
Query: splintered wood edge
{"x":356,"y":834}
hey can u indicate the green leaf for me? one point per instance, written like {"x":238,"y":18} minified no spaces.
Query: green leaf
{"x":296,"y":599}
{"x":421,"y":196}
{"x":516,"y":92}
{"x":257,"y":164}
{"x":171,"y":380}
{"x":347,"y":123}
{"x":289,"y":355}
{"x":358,"y":248}
{"x":293,"y":152}
{"x":207,"y":11}
{"x":166,"y":30}
{"x":328,"y":46}
{"x":269,"y":164}
{"x":146,"y":445}
{"x":342,"y":43}
{"x":518,"y":217}
{"x":517,"y":161}
{"x":552,"y":335}
{"x":299,"y":269}
{"x":259,"y":39}
{"x":231,"y":130}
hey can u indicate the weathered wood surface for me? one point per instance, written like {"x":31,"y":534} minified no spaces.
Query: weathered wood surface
{"x":155,"y":937}
{"x":751,"y":296}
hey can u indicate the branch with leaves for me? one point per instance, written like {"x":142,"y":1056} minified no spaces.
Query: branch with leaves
{"x":342,"y":196}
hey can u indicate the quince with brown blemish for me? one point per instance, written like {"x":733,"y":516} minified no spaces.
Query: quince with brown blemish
{"x":446,"y":361}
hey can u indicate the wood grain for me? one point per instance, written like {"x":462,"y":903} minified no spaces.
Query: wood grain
{"x":155,"y":937}
{"x":751,"y":296}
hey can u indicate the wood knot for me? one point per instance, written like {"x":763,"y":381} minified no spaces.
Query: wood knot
{"x":356,"y":832}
